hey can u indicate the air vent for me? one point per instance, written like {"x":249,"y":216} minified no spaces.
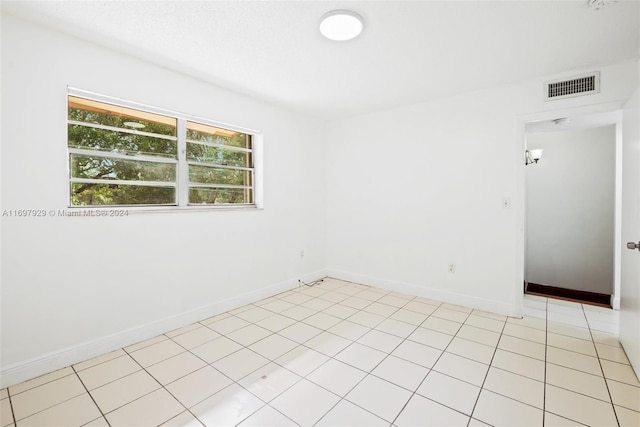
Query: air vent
{"x":577,"y":86}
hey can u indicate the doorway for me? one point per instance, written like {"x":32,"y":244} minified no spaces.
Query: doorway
{"x":572,"y":202}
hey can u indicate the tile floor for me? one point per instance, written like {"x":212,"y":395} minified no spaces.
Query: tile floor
{"x":340,"y":354}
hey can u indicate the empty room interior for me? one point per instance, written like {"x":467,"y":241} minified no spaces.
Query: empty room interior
{"x":320,"y":213}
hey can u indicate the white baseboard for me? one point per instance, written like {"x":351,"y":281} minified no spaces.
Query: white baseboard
{"x":40,"y":365}
{"x":492,"y":306}
{"x":615,"y":302}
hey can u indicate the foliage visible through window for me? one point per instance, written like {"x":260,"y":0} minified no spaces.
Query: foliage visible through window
{"x":124,"y":156}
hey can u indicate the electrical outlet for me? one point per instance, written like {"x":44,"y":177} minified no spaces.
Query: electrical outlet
{"x":301,"y":253}
{"x":506,"y":203}
{"x":452,"y":268}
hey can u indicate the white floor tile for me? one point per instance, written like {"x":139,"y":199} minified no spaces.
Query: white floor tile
{"x":269,"y":381}
{"x":364,"y":318}
{"x":531,"y":334}
{"x":108,"y":371}
{"x":380,"y":397}
{"x":228,"y":325}
{"x":514,"y":386}
{"x":322,"y":321}
{"x":276,"y":322}
{"x":612,"y":353}
{"x":300,"y":332}
{"x":578,"y":407}
{"x":380,"y":309}
{"x":461,"y":368}
{"x":198,"y":386}
{"x":627,"y":418}
{"x":422,"y":412}
{"x":625,"y":395}
{"x":346,"y":413}
{"x":479,"y":335}
{"x":421,"y":307}
{"x":580,"y":382}
{"x":519,"y":364}
{"x":296,"y":347}
{"x":185,"y":419}
{"x":273,"y":346}
{"x":571,"y":359}
{"x":249,"y":334}
{"x":361,"y":356}
{"x":337,"y":377}
{"x":499,"y":411}
{"x":196,"y":337}
{"x":216,"y":349}
{"x":449,"y":391}
{"x":152,"y":409}
{"x":122,"y":391}
{"x":448,"y":314}
{"x":520,"y":346}
{"x":175,"y":367}
{"x":74,"y":412}
{"x":158,"y":352}
{"x":401,"y":372}
{"x":553,"y":420}
{"x":431,"y":338}
{"x":228,"y":407}
{"x":417,"y":353}
{"x":302,"y":360}
{"x":295,"y":402}
{"x":442,"y":325}
{"x":396,"y":327}
{"x":380,"y":340}
{"x":240,"y":363}
{"x":349,"y":330}
{"x":471,"y":350}
{"x":45,"y":396}
{"x":267,"y":417}
{"x":485,"y":323}
{"x":619,"y":372}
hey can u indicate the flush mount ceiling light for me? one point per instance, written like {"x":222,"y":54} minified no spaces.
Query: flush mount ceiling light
{"x":341,"y":25}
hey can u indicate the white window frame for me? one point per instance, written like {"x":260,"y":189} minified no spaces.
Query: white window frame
{"x":182,"y":164}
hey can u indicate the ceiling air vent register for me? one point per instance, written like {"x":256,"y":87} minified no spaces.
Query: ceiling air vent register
{"x":586,"y":84}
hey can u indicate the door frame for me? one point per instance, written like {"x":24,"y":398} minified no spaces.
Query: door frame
{"x":520,"y":196}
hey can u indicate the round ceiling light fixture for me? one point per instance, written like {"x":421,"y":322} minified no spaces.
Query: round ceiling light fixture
{"x":341,"y":25}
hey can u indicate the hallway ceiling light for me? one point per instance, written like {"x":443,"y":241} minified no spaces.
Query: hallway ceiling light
{"x":532,"y":156}
{"x":341,"y":25}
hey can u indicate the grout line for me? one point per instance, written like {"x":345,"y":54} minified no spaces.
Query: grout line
{"x":91,"y":396}
{"x":13,"y":413}
{"x":604,"y":377}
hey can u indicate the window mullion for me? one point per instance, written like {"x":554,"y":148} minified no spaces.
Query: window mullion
{"x":183,"y":166}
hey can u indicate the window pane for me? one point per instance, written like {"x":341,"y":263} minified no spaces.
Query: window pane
{"x":214,"y":135}
{"x":217,"y":196}
{"x":118,"y":169}
{"x":113,"y":194}
{"x":207,"y":175}
{"x":119,"y":142}
{"x":218,"y":156}
{"x":86,"y":110}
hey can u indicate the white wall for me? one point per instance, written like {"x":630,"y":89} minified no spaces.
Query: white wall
{"x":67,"y":282}
{"x":570,"y":210}
{"x":411,"y":190}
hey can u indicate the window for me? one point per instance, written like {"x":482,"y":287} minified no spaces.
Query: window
{"x":125,"y":156}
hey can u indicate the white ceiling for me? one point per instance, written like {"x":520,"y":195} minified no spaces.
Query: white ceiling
{"x":410,"y":51}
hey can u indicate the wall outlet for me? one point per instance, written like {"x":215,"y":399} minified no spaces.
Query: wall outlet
{"x":301,"y":253}
{"x":452,"y":268}
{"x":506,"y":203}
